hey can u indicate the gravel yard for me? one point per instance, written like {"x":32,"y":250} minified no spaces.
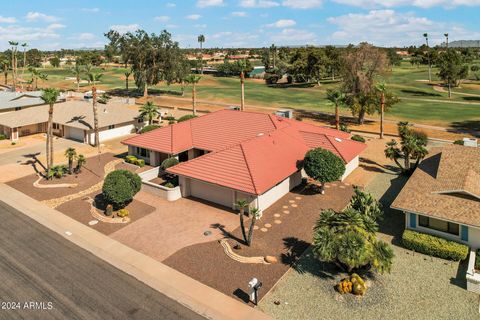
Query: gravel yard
{"x":419,"y":287}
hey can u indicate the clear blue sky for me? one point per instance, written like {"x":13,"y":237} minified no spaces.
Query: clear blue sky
{"x":58,"y":24}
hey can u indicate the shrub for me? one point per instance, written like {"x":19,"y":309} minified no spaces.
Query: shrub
{"x":2,"y":136}
{"x":169,"y":162}
{"x":459,"y":142}
{"x":148,"y":128}
{"x":140,"y":163}
{"x":131,"y":159}
{"x":119,"y":187}
{"x":13,"y":143}
{"x":122,"y":213}
{"x":186,"y":117}
{"x":169,"y":185}
{"x":344,"y":128}
{"x":169,"y":118}
{"x":434,"y":246}
{"x":57,"y":171}
{"x":358,"y":138}
{"x":323,"y":166}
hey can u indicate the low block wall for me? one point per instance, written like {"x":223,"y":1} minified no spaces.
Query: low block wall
{"x":170,"y":194}
{"x":473,"y":278}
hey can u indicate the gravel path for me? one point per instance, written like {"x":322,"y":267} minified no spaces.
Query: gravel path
{"x":419,"y":287}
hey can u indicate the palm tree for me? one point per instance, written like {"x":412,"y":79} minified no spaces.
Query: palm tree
{"x":242,"y":66}
{"x":94,"y":77}
{"x":337,"y":98}
{"x":127,"y":75}
{"x":80,"y":162}
{"x":149,"y":110}
{"x":201,"y":40}
{"x":77,"y":71}
{"x":446,"y":37}
{"x":24,"y":45}
{"x":70,"y":153}
{"x":382,"y":88}
{"x":50,"y":96}
{"x":88,"y":69}
{"x":425,"y":35}
{"x":241,"y":205}
{"x":14,"y":45}
{"x":256,"y":214}
{"x":43,"y":77}
{"x":193,"y":80}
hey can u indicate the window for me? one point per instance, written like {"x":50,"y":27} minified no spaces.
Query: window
{"x":140,"y":120}
{"x":112,"y":126}
{"x":56,"y":126}
{"x":18,"y":108}
{"x":439,"y":225}
{"x":143,"y":152}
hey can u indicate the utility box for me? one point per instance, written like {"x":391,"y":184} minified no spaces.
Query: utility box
{"x":285,"y":113}
{"x":470,"y":142}
{"x":236,"y":108}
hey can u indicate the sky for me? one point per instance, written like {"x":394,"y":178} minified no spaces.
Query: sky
{"x":54,"y":24}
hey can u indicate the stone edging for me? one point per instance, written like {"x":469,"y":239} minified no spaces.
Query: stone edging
{"x":229,"y":252}
{"x":37,"y":184}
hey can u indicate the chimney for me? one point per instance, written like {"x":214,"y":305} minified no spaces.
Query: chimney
{"x":470,"y":142}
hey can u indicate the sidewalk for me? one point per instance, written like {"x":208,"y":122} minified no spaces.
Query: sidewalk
{"x":175,"y":285}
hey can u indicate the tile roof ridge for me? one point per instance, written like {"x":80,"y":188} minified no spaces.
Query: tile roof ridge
{"x":248,"y":169}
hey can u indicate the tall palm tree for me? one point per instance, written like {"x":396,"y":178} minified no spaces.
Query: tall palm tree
{"x":446,"y":37}
{"x":425,"y":35}
{"x":24,"y":45}
{"x":94,"y":77}
{"x":70,"y":154}
{"x":88,"y":69}
{"x":50,"y":96}
{"x":149,"y":111}
{"x":127,"y":75}
{"x":14,"y":45}
{"x":201,"y":40}
{"x":337,"y":98}
{"x":43,"y":77}
{"x":382,"y":88}
{"x":241,"y":205}
{"x":193,"y":80}
{"x":77,"y":71}
{"x":256,"y":214}
{"x":242,"y":65}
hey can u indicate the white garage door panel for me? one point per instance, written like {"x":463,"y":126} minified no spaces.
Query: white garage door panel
{"x":211,"y":193}
{"x":74,"y":133}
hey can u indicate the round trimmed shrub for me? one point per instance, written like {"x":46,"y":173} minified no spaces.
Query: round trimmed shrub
{"x":459,"y":142}
{"x":148,"y":128}
{"x":119,"y":188}
{"x":323,"y":166}
{"x":186,"y":117}
{"x":358,"y":138}
{"x":169,"y":162}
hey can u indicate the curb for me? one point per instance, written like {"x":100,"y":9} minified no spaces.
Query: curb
{"x":192,"y":294}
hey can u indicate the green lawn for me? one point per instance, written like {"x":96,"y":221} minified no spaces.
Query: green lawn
{"x":403,"y":81}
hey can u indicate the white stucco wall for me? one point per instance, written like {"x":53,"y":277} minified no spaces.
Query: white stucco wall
{"x":268,"y":198}
{"x":349,"y":167}
{"x":108,"y":134}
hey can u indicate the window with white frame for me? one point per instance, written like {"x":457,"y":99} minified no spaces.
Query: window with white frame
{"x":439,"y":225}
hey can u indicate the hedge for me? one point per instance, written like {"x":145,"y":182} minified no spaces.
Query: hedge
{"x":186,"y":117}
{"x":358,"y":138}
{"x":148,"y":128}
{"x":2,"y":136}
{"x":434,"y":246}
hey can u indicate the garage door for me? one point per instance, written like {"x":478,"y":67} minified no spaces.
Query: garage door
{"x":212,"y":193}
{"x":74,"y":134}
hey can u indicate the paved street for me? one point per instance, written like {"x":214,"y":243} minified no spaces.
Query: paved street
{"x":37,"y":265}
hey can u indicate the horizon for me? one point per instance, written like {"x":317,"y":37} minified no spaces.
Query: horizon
{"x":242,"y":23}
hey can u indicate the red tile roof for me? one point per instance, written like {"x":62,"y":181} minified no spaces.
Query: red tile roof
{"x":250,"y":152}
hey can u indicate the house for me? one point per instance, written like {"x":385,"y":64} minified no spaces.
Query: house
{"x":15,"y":101}
{"x":229,"y":155}
{"x":74,"y":120}
{"x":442,"y":197}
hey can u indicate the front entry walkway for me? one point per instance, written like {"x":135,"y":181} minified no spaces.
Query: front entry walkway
{"x":175,"y":225}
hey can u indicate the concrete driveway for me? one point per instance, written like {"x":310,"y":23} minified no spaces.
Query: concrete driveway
{"x":174,"y":225}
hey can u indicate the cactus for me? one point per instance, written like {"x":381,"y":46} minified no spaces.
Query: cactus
{"x":109,"y":210}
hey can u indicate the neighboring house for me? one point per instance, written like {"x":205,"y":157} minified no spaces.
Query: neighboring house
{"x":15,"y":101}
{"x":442,"y":197}
{"x":74,"y":120}
{"x":230,"y":155}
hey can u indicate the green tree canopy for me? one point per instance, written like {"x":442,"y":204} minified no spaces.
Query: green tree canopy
{"x":323,"y":166}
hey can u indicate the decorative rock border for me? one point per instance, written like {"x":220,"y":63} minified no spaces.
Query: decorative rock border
{"x":37,"y":184}
{"x":229,"y":252}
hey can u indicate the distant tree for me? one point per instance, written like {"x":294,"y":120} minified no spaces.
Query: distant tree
{"x":337,"y":98}
{"x":452,"y":68}
{"x":393,"y":57}
{"x":333,"y":60}
{"x":4,"y":65}
{"x":54,"y":61}
{"x":127,"y":75}
{"x":193,"y":80}
{"x":201,"y":41}
{"x":13,"y":64}
{"x":323,"y":166}
{"x":474,"y":68}
{"x":149,"y":111}
{"x":385,"y":100}
{"x":243,"y":68}
{"x":77,"y":71}
{"x":412,"y":148}
{"x":360,"y":69}
{"x":34,"y":58}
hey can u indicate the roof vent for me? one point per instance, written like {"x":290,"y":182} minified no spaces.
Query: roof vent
{"x":468,"y":142}
{"x":338,"y":139}
{"x":260,"y":134}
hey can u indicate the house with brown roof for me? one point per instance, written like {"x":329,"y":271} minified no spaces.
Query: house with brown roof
{"x":442,"y":197}
{"x":229,"y":155}
{"x":73,"y":119}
